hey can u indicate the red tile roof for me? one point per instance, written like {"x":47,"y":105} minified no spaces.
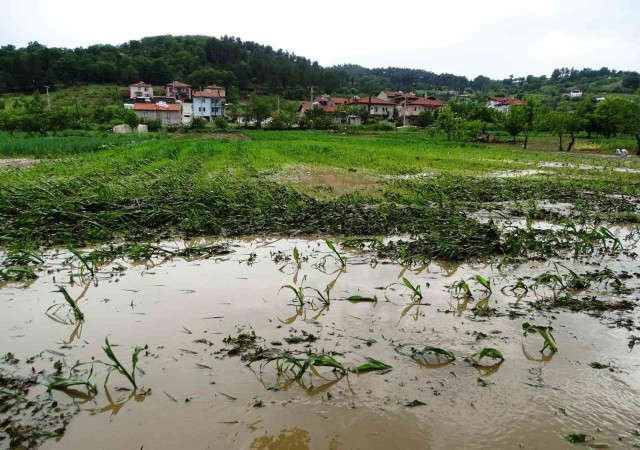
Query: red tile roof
{"x":370,"y":100}
{"x":213,"y":86}
{"x":427,"y":102}
{"x":339,"y":100}
{"x":154,"y":107}
{"x":307,"y":106}
{"x":140,"y":84}
{"x":178,"y":84}
{"x":206,"y":94}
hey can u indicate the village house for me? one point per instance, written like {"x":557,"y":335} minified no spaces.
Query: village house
{"x":574,"y":94}
{"x":179,"y":91}
{"x":374,"y":105}
{"x":398,"y":97}
{"x":169,"y":114}
{"x":209,"y":103}
{"x":327,"y":100}
{"x":502,"y":104}
{"x":410,"y":112}
{"x":140,"y":90}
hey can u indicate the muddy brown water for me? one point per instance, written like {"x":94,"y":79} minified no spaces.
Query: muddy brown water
{"x":203,"y":399}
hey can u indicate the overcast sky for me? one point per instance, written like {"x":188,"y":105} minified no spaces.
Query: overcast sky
{"x":495,"y":38}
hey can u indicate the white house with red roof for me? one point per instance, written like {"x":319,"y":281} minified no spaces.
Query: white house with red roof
{"x":502,"y":104}
{"x":209,"y":103}
{"x":374,"y":105}
{"x":178,"y":90}
{"x":411,"y":110}
{"x":398,"y":97}
{"x":140,"y":90}
{"x":168,"y":113}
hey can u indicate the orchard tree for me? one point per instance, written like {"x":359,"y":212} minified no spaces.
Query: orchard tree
{"x":622,"y":114}
{"x":513,"y":121}
{"x":447,"y":122}
{"x":531,"y":111}
{"x":260,"y":108}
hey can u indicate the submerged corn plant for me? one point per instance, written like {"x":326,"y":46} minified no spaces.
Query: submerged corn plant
{"x":73,"y":304}
{"x":62,"y":383}
{"x":461,"y":289}
{"x":116,"y":365}
{"x":340,"y":258}
{"x":486,"y":284}
{"x":87,"y":265}
{"x":298,"y":293}
{"x":298,"y":366}
{"x":416,"y":292}
{"x":545,"y":332}
{"x":486,"y":352}
{"x":436,"y":351}
{"x":372,"y":365}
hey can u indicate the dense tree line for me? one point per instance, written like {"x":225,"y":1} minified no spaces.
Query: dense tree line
{"x":251,"y":68}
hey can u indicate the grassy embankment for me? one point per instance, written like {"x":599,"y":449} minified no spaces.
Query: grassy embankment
{"x":88,"y":190}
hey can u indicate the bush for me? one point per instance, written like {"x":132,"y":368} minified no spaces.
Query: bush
{"x":384,"y":125}
{"x":198,"y":123}
{"x":221,"y":123}
{"x":153,"y":124}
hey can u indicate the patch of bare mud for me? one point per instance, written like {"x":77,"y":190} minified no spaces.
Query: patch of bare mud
{"x":325,"y":181}
{"x":13,"y":163}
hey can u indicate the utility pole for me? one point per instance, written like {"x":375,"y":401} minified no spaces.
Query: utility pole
{"x":278,"y":104}
{"x":48,"y":99}
{"x":404,"y":112}
{"x":312,"y":96}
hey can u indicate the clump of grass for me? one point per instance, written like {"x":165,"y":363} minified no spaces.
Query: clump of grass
{"x":116,"y":365}
{"x":545,"y":332}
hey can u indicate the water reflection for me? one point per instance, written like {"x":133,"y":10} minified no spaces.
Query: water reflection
{"x":487,"y":371}
{"x":542,"y":358}
{"x":114,"y":407}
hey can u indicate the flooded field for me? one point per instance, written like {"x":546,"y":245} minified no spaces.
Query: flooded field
{"x":228,"y":344}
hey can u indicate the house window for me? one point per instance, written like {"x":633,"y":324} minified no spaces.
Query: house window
{"x":375,"y":109}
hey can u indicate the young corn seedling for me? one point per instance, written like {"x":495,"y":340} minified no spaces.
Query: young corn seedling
{"x":575,"y":281}
{"x":341,"y":259}
{"x":372,"y":365}
{"x":486,"y":352}
{"x":486,"y":284}
{"x":77,"y":313}
{"x":545,"y":332}
{"x":439,"y":352}
{"x":297,"y":291}
{"x":86,"y":264}
{"x":461,"y":289}
{"x":299,"y":366}
{"x":116,"y":365}
{"x":325,"y":298}
{"x":61,"y":383}
{"x":416,"y":292}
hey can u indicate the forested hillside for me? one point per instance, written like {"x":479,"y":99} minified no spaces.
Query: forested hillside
{"x":251,"y":67}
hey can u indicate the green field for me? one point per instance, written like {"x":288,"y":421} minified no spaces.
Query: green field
{"x":95,"y":188}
